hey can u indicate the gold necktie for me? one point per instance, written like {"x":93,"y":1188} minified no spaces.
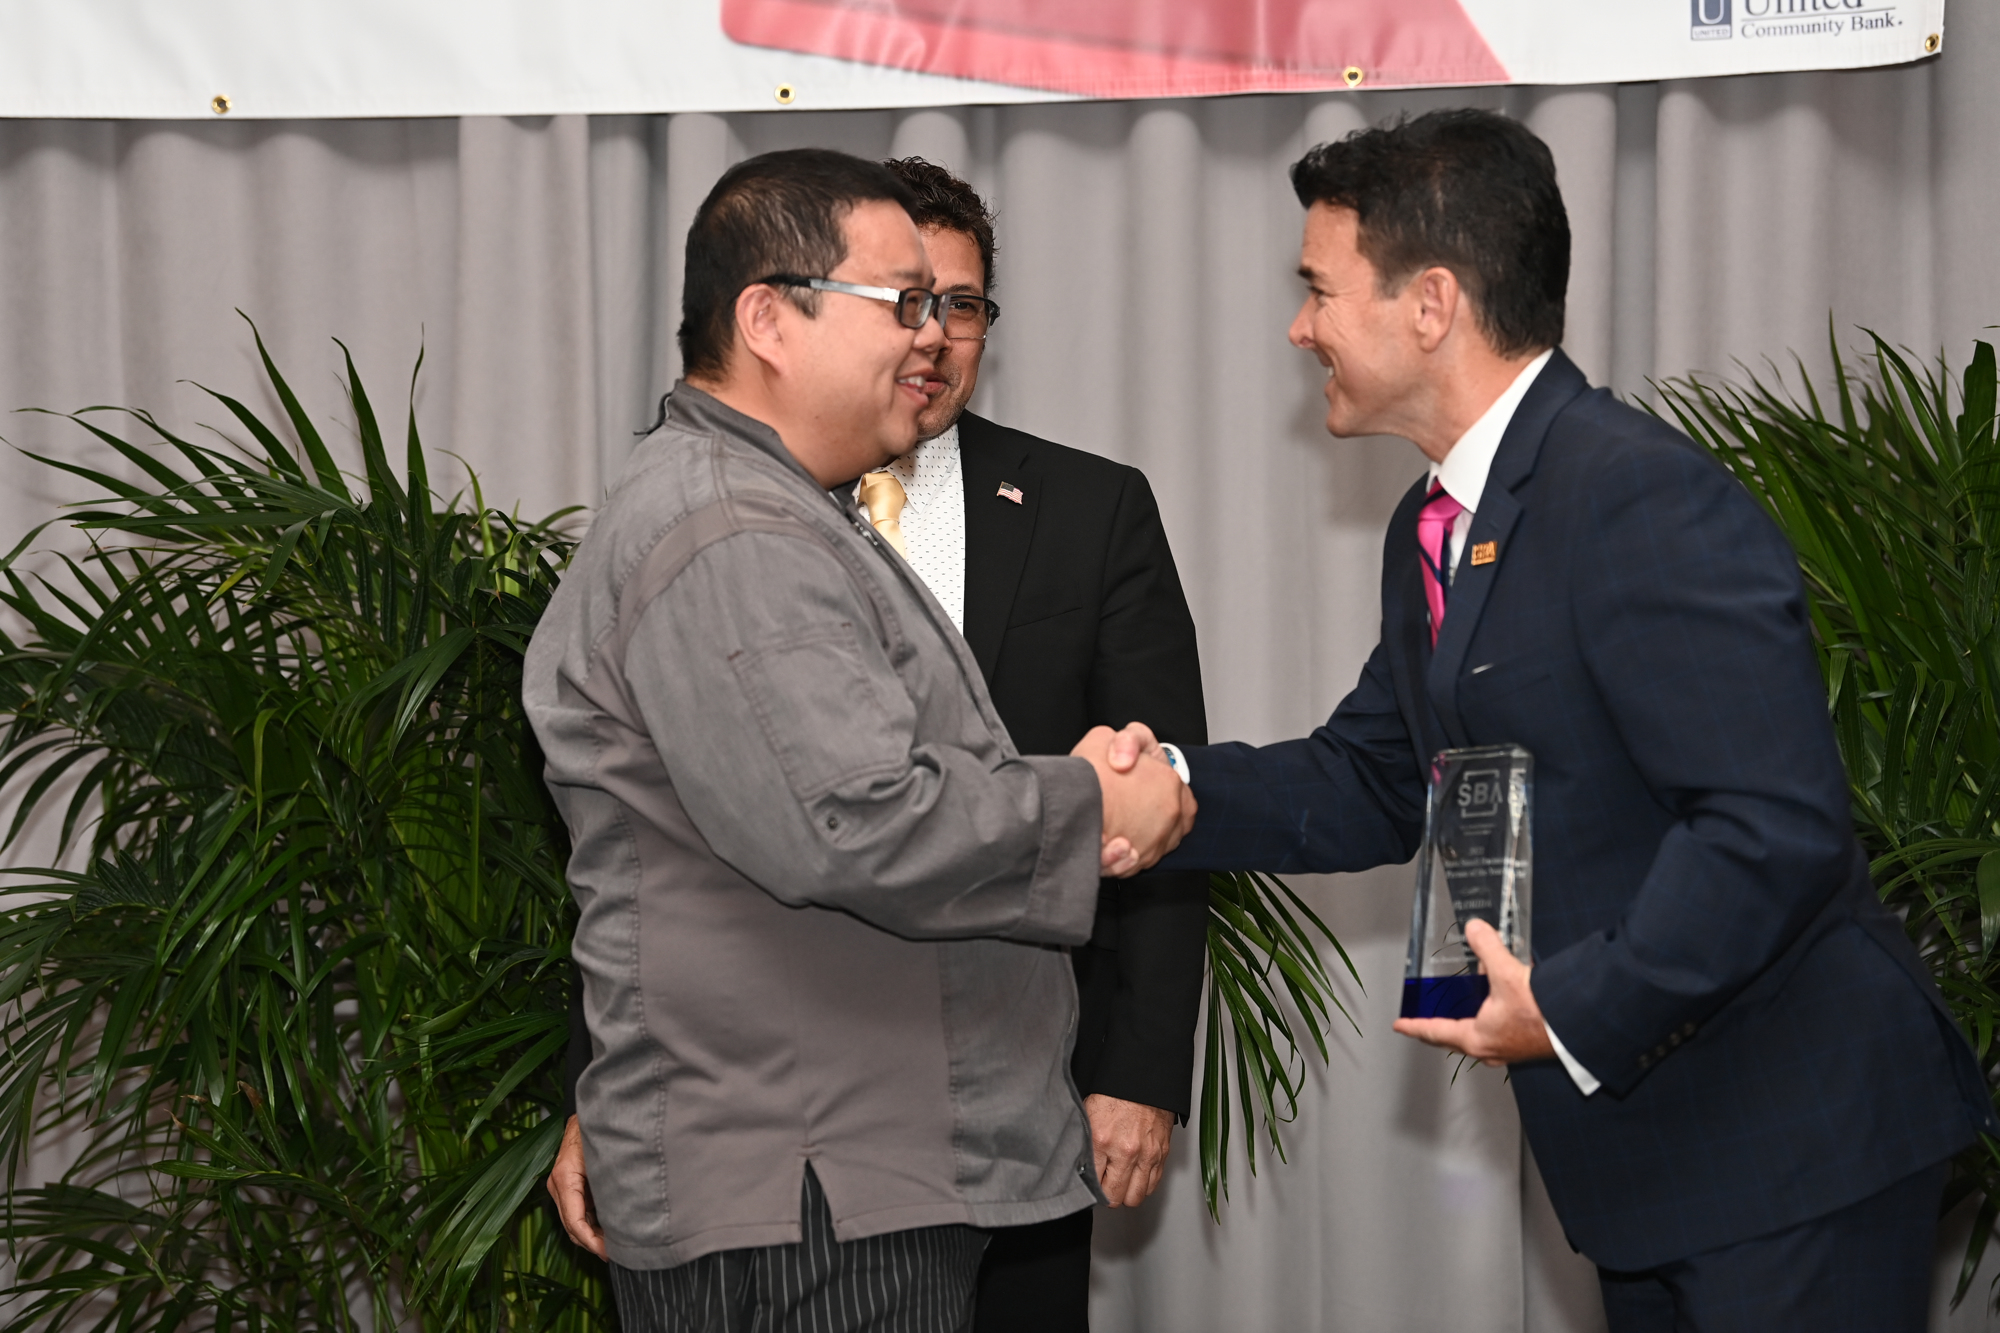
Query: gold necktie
{"x":883,"y":495}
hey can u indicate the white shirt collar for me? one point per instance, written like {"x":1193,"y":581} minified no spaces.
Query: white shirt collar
{"x":1464,"y":469}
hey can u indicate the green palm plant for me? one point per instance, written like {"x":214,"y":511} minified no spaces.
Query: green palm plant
{"x":1890,"y":493}
{"x":1257,"y":948}
{"x":305,"y":1002}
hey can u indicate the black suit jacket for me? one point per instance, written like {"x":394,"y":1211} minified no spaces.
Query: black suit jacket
{"x":1075,"y":612}
{"x":1707,"y":941}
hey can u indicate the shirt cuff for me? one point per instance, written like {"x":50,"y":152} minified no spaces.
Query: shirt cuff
{"x":1586,"y":1082}
{"x":1177,"y":762}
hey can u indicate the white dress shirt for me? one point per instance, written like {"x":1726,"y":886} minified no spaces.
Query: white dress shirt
{"x":1463,"y":473}
{"x":933,"y":518}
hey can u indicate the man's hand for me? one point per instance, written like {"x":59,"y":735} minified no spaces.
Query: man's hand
{"x":1508,"y":1027}
{"x":1147,"y":808}
{"x":1129,"y":1143}
{"x":1134,"y":743}
{"x":569,"y":1187}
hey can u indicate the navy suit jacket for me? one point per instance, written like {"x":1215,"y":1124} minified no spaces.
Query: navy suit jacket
{"x":1707,"y":940}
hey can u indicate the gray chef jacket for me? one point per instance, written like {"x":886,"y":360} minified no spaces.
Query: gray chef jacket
{"x":821,"y":894}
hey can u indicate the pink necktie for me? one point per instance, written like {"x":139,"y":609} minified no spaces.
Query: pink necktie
{"x":1434,"y":522}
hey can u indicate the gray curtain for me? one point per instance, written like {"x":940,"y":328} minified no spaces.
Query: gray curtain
{"x":1146,"y":267}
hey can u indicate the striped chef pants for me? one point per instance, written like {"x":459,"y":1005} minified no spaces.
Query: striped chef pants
{"x":917,"y":1281}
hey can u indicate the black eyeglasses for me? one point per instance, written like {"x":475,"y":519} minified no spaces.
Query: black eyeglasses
{"x":967,"y":317}
{"x":914,"y":305}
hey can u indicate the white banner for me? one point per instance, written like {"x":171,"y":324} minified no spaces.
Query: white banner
{"x":266,"y":59}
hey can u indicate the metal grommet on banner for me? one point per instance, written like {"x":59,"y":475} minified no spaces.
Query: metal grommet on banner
{"x":785,"y":94}
{"x":1932,"y":43}
{"x":1352,"y":76}
{"x":220,"y":104}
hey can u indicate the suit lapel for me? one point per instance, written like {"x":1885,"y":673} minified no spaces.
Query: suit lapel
{"x":997,"y":533}
{"x":1494,"y":521}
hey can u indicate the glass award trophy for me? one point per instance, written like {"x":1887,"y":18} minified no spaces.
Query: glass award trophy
{"x":1476,"y":861}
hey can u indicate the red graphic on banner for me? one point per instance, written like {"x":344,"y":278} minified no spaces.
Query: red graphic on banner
{"x":1137,"y":48}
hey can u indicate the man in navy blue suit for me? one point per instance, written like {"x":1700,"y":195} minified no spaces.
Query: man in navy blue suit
{"x":1740,"y":1084}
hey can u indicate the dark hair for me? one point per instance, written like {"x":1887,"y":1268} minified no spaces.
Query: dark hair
{"x":944,"y":202}
{"x":782,"y":212}
{"x":1471,"y":191}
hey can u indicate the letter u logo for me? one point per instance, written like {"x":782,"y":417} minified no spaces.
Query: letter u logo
{"x":1710,"y":13}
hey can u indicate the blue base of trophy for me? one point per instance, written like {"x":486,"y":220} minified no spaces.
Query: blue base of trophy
{"x":1443,"y":997}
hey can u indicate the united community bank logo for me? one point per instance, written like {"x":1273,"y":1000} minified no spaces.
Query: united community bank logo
{"x":1715,"y":20}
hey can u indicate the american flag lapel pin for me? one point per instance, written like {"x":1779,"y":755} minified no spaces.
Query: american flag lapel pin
{"x":1009,"y":491}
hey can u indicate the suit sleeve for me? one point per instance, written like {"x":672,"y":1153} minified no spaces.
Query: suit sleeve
{"x":1147,"y":668}
{"x":1695,"y":633}
{"x":1348,"y":797}
{"x":795,"y":747}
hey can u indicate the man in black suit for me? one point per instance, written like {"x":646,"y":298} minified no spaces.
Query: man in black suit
{"x":1738,"y":1080}
{"x":1056,"y":568}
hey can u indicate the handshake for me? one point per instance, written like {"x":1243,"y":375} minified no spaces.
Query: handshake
{"x":1147,"y":808}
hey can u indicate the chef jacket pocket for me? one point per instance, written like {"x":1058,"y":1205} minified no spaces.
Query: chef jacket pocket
{"x":822,"y":711}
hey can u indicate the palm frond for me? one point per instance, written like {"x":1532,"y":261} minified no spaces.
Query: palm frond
{"x":1265,"y":979}
{"x":306,"y":1001}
